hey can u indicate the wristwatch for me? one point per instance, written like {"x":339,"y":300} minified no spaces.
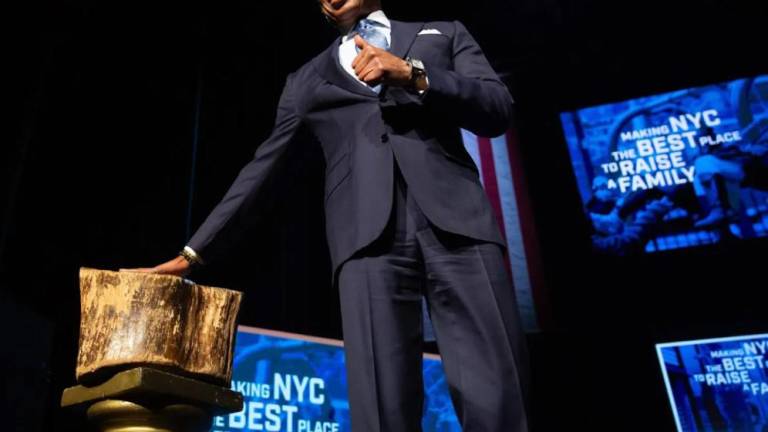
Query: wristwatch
{"x":418,"y":73}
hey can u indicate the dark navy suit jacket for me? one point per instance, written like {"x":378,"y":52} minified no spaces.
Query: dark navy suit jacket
{"x":363,"y":134}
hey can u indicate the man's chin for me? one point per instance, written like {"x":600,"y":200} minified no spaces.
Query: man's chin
{"x":346,"y":19}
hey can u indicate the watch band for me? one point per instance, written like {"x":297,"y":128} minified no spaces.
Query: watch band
{"x":417,"y":70}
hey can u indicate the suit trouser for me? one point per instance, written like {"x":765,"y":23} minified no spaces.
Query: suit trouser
{"x":474,"y":313}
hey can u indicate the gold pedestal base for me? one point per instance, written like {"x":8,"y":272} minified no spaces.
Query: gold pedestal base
{"x":148,"y":400}
{"x":124,"y":416}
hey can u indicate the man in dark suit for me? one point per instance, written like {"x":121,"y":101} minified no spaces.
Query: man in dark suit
{"x":406,"y":214}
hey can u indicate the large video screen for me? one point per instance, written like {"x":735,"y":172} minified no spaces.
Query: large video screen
{"x":674,"y":170}
{"x":296,"y":383}
{"x":717,"y":384}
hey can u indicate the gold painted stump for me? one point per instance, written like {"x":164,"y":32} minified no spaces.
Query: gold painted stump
{"x":166,"y":322}
{"x":149,"y":400}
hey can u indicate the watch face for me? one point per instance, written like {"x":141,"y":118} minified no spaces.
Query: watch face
{"x":417,"y":64}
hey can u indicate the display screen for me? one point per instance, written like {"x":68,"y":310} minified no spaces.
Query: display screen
{"x":674,"y":170}
{"x":717,"y":384}
{"x":295,"y":383}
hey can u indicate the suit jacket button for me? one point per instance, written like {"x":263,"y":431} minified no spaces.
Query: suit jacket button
{"x":384,"y":137}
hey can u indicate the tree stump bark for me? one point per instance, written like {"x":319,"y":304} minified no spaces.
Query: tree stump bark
{"x":139,"y":319}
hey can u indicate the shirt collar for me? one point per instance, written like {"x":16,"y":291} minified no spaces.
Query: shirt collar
{"x":377,"y":16}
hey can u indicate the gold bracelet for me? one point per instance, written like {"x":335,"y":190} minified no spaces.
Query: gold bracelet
{"x":191,"y":256}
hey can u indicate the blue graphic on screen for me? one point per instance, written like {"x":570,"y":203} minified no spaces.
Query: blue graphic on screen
{"x":674,"y":170}
{"x":291,"y":384}
{"x":717,"y":384}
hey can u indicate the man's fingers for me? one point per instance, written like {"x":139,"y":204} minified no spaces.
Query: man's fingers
{"x":374,"y":66}
{"x":363,"y":56}
{"x":358,"y":58}
{"x":372,"y":76}
{"x":139,"y":270}
{"x":356,"y":61}
{"x":369,"y":64}
{"x":362,"y":61}
{"x":360,"y":42}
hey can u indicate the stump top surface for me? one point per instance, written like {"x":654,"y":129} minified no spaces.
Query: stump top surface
{"x":115,"y":277}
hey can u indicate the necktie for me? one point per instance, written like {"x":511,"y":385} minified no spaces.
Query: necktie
{"x":373,"y":33}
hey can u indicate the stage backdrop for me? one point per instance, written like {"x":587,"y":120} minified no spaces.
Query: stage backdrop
{"x":501,"y":172}
{"x":295,"y":383}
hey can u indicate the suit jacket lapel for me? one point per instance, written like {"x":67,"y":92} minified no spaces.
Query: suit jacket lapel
{"x":403,"y":35}
{"x":328,"y":66}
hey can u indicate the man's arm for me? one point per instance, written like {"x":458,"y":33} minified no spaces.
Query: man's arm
{"x":226,"y":220}
{"x":471,"y":94}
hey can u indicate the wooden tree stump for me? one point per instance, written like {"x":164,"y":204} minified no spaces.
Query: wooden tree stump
{"x":166,"y":322}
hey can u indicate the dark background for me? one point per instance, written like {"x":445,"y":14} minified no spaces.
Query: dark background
{"x":128,"y":123}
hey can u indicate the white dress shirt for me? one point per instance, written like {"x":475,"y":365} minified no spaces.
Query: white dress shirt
{"x":348,"y":52}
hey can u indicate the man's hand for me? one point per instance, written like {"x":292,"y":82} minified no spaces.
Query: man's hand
{"x":177,"y":267}
{"x":376,"y":66}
